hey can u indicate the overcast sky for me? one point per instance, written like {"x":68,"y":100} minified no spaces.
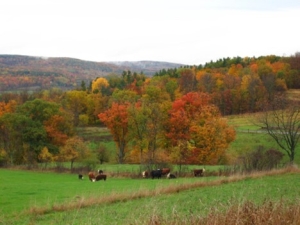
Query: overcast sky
{"x":180,"y":31}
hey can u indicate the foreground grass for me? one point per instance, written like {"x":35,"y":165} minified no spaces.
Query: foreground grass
{"x":21,"y":190}
{"x":171,"y":200}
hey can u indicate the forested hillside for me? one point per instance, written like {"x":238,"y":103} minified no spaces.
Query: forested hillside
{"x":175,"y":116}
{"x":30,"y":73}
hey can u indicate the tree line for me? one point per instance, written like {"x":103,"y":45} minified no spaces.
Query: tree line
{"x":175,"y":116}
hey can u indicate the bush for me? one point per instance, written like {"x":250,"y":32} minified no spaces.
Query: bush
{"x":260,"y":159}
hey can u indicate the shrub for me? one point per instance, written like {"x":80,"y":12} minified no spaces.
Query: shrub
{"x":260,"y":159}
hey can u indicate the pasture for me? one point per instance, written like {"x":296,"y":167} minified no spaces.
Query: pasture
{"x":29,"y":197}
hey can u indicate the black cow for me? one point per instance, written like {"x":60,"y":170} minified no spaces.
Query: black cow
{"x":80,"y":176}
{"x":156,"y":173}
{"x":171,"y":176}
{"x":100,"y":171}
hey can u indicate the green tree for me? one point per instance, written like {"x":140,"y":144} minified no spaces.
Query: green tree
{"x":102,"y":153}
{"x":39,"y":110}
{"x":20,"y":135}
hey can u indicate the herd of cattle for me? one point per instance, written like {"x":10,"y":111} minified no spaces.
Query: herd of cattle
{"x":146,"y":174}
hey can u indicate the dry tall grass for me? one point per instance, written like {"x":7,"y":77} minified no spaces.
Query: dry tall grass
{"x":247,"y":213}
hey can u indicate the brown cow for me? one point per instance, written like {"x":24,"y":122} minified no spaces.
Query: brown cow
{"x":145,"y":174}
{"x":165,"y":171}
{"x":92,"y":177}
{"x":198,"y":172}
{"x":101,"y":177}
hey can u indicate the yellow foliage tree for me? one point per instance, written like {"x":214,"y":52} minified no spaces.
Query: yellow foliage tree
{"x":99,"y":83}
{"x":74,"y":149}
{"x":45,"y":156}
{"x":212,"y":139}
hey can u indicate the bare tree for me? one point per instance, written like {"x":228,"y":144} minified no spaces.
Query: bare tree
{"x":282,"y":122}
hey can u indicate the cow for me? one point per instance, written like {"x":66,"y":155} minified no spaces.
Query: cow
{"x":92,"y":177}
{"x":101,"y":177}
{"x":171,"y":176}
{"x":145,"y":174}
{"x":80,"y":176}
{"x":156,"y":173}
{"x":165,"y":171}
{"x":198,"y":172}
{"x":100,"y":171}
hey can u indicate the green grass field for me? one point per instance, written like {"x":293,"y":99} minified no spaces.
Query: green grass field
{"x":46,"y":198}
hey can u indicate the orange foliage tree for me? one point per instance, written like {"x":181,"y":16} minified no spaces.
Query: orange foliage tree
{"x":196,"y":130}
{"x":7,"y":107}
{"x":58,"y":130}
{"x":116,"y":119}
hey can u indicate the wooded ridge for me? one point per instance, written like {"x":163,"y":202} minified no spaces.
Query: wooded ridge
{"x":28,"y":72}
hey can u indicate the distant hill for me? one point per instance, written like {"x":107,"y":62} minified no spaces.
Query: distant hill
{"x":148,"y":67}
{"x":18,"y":71}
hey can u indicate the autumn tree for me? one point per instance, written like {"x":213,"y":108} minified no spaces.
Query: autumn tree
{"x":187,"y":80}
{"x":59,"y":128}
{"x":75,"y":102}
{"x":116,"y":120}
{"x":99,"y":85}
{"x":45,"y":156}
{"x":95,"y":104}
{"x":197,"y":130}
{"x":156,"y":103}
{"x":253,"y":91}
{"x":75,"y":149}
{"x":7,"y":107}
{"x":137,"y":121}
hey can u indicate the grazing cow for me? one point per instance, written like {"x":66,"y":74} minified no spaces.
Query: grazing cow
{"x":80,"y":176}
{"x":171,"y":176}
{"x":198,"y":172}
{"x":101,"y":177}
{"x":100,"y":171}
{"x":145,"y":174}
{"x":156,"y":173}
{"x":92,"y":177}
{"x":165,"y":171}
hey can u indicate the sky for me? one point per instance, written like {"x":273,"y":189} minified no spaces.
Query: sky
{"x":180,"y":31}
